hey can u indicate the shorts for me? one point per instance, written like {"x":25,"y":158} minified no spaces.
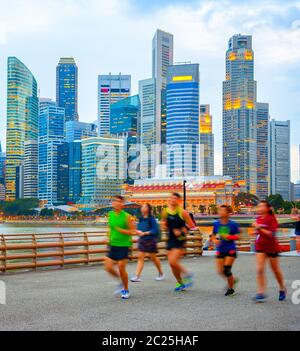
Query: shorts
{"x":118,"y":253}
{"x":175,"y":245}
{"x":222,"y":255}
{"x":148,"y":246}
{"x":269,"y":254}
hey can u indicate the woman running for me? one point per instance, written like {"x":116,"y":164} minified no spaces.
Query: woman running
{"x":267,"y":248}
{"x":228,"y":232}
{"x":148,"y":230}
{"x":175,"y":220}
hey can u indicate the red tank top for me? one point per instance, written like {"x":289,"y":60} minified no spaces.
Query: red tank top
{"x":264,"y":242}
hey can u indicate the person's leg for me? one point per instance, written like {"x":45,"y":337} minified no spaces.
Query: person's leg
{"x":123,"y":273}
{"x":174,"y":257}
{"x":109,"y":266}
{"x":157,"y":263}
{"x":228,"y":264}
{"x":261,"y":276}
{"x":140,"y":264}
{"x":275,"y":266}
{"x":220,"y":266}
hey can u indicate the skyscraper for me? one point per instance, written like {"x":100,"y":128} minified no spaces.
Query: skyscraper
{"x":51,"y":135}
{"x":162,"y":58}
{"x":63,"y":173}
{"x":262,"y":150}
{"x":75,"y":171}
{"x":111,"y":89}
{"x":206,"y":142}
{"x":31,"y":169}
{"x":239,"y":113}
{"x":2,"y":165}
{"x":76,"y":130}
{"x":22,"y":118}
{"x":147,"y":128}
{"x":280,"y":158}
{"x":103,"y":169}
{"x":183,"y":120}
{"x":67,"y":87}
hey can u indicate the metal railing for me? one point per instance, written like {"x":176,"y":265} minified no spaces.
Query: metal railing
{"x":58,"y":250}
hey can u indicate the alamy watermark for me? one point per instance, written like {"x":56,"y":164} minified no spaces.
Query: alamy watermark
{"x":296,"y":293}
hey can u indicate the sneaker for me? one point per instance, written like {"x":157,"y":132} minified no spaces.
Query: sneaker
{"x":189,"y":280}
{"x":118,"y":290}
{"x":282,"y":295}
{"x":180,"y":287}
{"x":230,"y":292}
{"x":135,"y":279}
{"x":260,"y":298}
{"x":160,"y":278}
{"x":125,"y":295}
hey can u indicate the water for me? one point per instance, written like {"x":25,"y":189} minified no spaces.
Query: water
{"x":58,"y":228}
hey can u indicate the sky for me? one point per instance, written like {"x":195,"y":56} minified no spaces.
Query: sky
{"x":116,"y":36}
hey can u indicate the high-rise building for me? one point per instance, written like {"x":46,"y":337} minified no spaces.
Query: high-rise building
{"x":206,"y":142}
{"x":20,"y":181}
{"x":31,"y":169}
{"x":2,"y":192}
{"x":67,"y":87}
{"x":124,"y":122}
{"x":111,"y":89}
{"x":103,"y":169}
{"x":280,"y":159}
{"x":263,"y":118}
{"x":63,"y":173}
{"x":183,"y":120}
{"x":2,"y":165}
{"x":239,"y":113}
{"x":75,"y":171}
{"x":51,"y":135}
{"x":76,"y":130}
{"x":22,"y":119}
{"x":162,"y":58}
{"x":147,"y":127}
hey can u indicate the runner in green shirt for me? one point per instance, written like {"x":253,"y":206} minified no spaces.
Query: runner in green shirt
{"x":121,"y":230}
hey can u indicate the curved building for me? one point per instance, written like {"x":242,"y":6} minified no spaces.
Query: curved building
{"x":22,"y":119}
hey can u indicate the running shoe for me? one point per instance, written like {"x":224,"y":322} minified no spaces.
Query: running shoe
{"x":282,"y":295}
{"x":230,"y":292}
{"x":135,"y":279}
{"x":118,"y":290}
{"x":160,"y":278}
{"x":260,"y":298}
{"x":180,"y":287}
{"x":189,"y":280}
{"x":125,"y":295}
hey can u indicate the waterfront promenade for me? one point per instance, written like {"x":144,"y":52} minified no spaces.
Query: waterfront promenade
{"x":81,"y":299}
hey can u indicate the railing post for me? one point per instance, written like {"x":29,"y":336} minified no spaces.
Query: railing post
{"x":87,"y":248}
{"x":62,"y":240}
{"x":34,"y":242}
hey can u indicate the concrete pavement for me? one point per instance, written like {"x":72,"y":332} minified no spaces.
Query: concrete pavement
{"x":81,"y":299}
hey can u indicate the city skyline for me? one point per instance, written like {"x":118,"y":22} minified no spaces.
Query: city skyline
{"x":276,"y":64}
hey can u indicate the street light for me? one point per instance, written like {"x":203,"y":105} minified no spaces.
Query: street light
{"x":184,"y":194}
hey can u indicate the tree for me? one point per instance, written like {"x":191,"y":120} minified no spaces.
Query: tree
{"x":276,"y":201}
{"x":245,"y":199}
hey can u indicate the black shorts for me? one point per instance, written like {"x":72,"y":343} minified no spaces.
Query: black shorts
{"x":269,"y":254}
{"x":172,"y":244}
{"x":222,"y":255}
{"x":118,"y":253}
{"x":148,"y":246}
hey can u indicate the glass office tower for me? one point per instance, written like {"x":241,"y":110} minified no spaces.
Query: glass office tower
{"x":22,"y":118}
{"x":206,"y":142}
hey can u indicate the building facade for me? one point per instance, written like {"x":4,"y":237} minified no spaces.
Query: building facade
{"x":148,"y":132}
{"x":103,"y":169}
{"x":263,"y":118}
{"x":162,"y":58}
{"x":280,"y":159}
{"x":75,"y":171}
{"x":239,"y":113}
{"x":31,"y":169}
{"x":111,"y":89}
{"x":67,"y":87}
{"x":76,"y":130}
{"x":183,"y":120}
{"x":2,"y":165}
{"x":51,"y":135}
{"x":207,"y":167}
{"x":22,"y":119}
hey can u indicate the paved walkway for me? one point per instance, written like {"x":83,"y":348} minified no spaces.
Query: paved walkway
{"x":81,"y":299}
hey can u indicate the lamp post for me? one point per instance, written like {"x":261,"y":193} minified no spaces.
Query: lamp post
{"x":184,"y":194}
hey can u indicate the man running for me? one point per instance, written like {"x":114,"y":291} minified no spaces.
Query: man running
{"x":175,"y":221}
{"x":227,"y":231}
{"x":121,"y":230}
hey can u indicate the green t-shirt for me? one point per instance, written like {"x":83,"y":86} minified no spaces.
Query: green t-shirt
{"x":120,"y":221}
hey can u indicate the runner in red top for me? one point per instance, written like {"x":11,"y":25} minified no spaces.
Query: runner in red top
{"x":267,"y":248}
